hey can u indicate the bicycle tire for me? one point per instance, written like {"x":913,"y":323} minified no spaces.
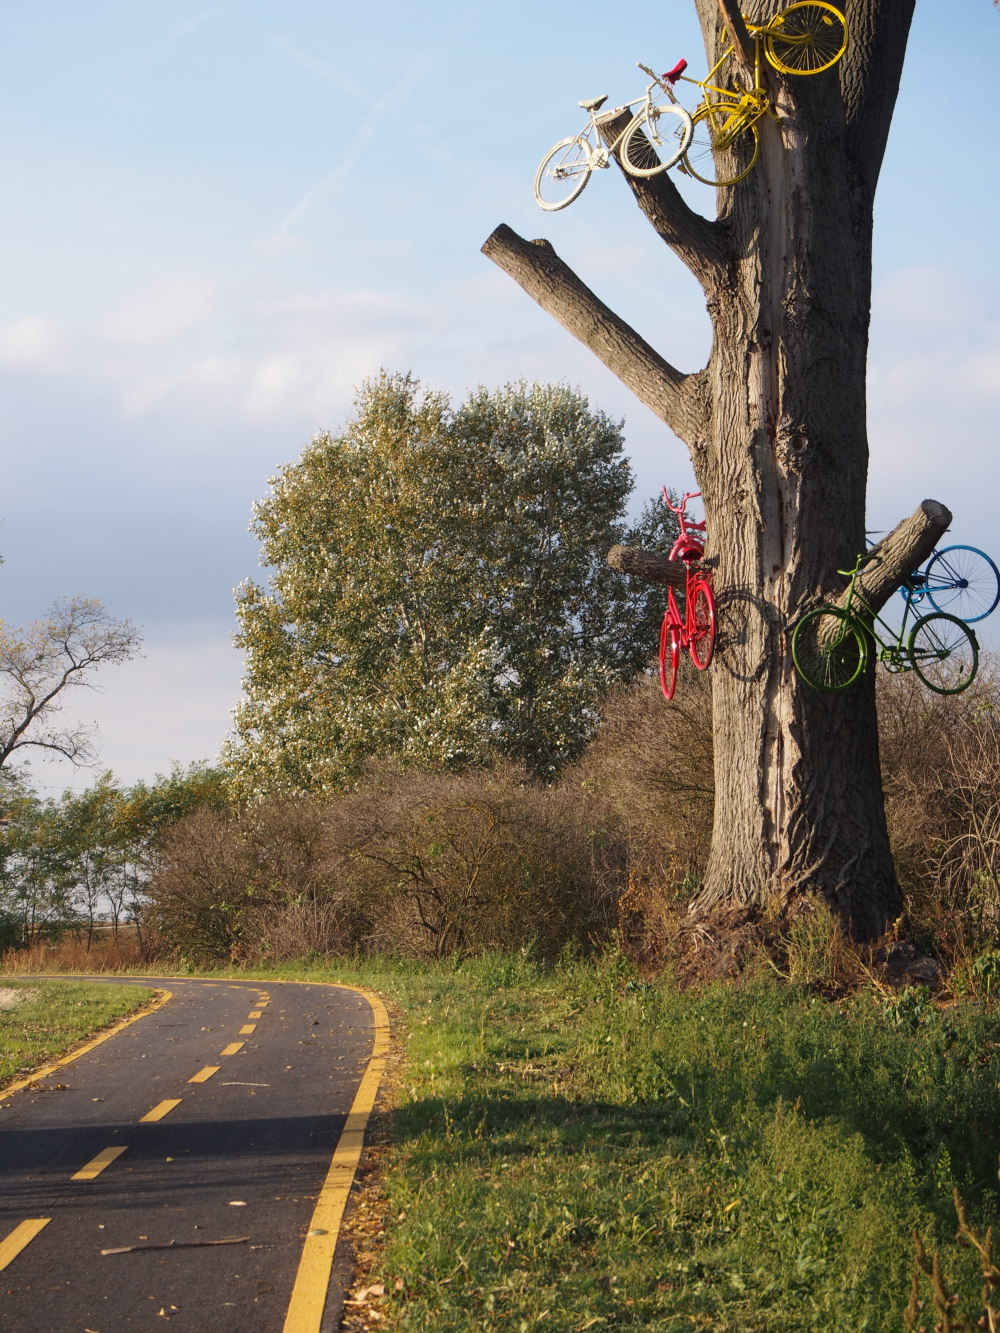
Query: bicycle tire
{"x":714,"y":132}
{"x":944,"y":653}
{"x":702,"y":643}
{"x":654,"y":149}
{"x":805,"y":38}
{"x":566,"y":164}
{"x":670,"y":633}
{"x":829,"y":648}
{"x":962,"y":581}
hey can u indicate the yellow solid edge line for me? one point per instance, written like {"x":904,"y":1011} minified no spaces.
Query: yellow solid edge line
{"x":305,"y":1310}
{"x":203,"y":1075}
{"x":151,"y":1006}
{"x":160,"y":1110}
{"x":97,"y":1164}
{"x":232,"y":1048}
{"x":23,"y":1234}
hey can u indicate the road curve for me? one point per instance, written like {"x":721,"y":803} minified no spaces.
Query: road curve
{"x":193,"y":1168}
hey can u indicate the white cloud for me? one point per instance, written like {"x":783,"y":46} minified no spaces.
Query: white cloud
{"x":161,"y":312}
{"x":34,"y":344}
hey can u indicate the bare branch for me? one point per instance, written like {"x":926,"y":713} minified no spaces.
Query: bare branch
{"x":653,"y":566}
{"x":695,"y":239}
{"x":677,"y":399}
{"x":40,"y":663}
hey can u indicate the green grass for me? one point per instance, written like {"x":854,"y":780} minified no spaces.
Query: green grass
{"x":576,"y":1150}
{"x":55,"y":1015}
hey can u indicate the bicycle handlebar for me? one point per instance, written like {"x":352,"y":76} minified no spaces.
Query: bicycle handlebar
{"x":679,"y":509}
{"x":665,"y":81}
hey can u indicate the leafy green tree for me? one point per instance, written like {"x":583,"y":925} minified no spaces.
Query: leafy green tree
{"x":438,"y":591}
{"x":88,"y":856}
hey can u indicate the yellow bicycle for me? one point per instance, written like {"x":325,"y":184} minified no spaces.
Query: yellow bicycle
{"x":806,"y":38}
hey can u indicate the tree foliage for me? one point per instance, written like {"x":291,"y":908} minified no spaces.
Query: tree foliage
{"x":87,"y":857}
{"x":438,"y":590}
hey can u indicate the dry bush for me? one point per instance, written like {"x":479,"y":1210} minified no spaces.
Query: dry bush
{"x":485,"y":860}
{"x":250,"y":884}
{"x":941,"y":774}
{"x":651,"y":761}
{"x":422,"y":864}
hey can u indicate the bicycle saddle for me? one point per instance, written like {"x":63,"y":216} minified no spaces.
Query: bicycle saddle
{"x":594,"y":104}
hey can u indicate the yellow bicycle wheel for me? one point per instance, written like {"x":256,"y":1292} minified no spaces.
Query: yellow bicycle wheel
{"x":805,"y":38}
{"x":724,"y":145}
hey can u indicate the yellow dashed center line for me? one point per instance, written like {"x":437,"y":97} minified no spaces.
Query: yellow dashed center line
{"x":232,"y":1048}
{"x":255,"y":1013}
{"x":263,"y":1002}
{"x":247,"y":1028}
{"x":23,"y":1234}
{"x":97,"y":1164}
{"x":159,"y":1111}
{"x":203,"y":1075}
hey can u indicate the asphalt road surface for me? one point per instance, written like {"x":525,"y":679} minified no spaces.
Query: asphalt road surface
{"x":170,"y":1175}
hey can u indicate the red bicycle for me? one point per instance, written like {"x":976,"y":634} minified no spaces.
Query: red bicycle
{"x":695,"y":629}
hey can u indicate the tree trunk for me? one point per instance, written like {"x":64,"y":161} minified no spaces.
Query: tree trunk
{"x":776,"y":426}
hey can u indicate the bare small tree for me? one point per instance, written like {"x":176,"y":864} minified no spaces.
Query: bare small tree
{"x":40,"y":663}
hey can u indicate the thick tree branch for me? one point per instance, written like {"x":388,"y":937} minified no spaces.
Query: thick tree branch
{"x":677,"y":399}
{"x":696,"y":240}
{"x":651,"y":565}
{"x":737,"y":29}
{"x":898,"y":554}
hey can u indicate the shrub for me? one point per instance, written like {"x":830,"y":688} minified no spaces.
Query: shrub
{"x":420,"y":864}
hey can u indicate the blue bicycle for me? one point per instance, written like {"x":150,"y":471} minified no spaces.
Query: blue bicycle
{"x":959,"y":580}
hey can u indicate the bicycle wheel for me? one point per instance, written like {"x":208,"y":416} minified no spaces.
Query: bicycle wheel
{"x":944,"y":653}
{"x":805,"y":38}
{"x":723,"y":148}
{"x":670,"y":654}
{"x":829,"y":648}
{"x":702,"y":642}
{"x":963,"y":582}
{"x":656,"y":139}
{"x":564,"y":171}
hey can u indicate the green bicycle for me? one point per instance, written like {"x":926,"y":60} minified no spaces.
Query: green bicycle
{"x":831,"y":645}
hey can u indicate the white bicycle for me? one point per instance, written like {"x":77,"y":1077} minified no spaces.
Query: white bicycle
{"x":657,"y":137}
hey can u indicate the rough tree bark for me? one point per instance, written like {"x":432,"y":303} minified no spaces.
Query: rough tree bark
{"x":776,"y":427}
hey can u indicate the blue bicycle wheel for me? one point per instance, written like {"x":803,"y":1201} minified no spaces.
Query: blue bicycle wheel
{"x":962,"y":581}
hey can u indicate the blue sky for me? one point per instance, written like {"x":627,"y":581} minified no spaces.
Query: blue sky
{"x":218,"y":219}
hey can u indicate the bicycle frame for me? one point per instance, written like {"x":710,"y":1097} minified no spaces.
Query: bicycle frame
{"x":600,"y":156}
{"x":744,"y":107}
{"x":695,"y":629}
{"x":891,"y":654}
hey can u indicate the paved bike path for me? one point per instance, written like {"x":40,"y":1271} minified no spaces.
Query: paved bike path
{"x":195,"y":1143}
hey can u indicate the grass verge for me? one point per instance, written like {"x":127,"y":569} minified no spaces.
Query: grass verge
{"x":576,"y":1150}
{"x":43,"y":1019}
